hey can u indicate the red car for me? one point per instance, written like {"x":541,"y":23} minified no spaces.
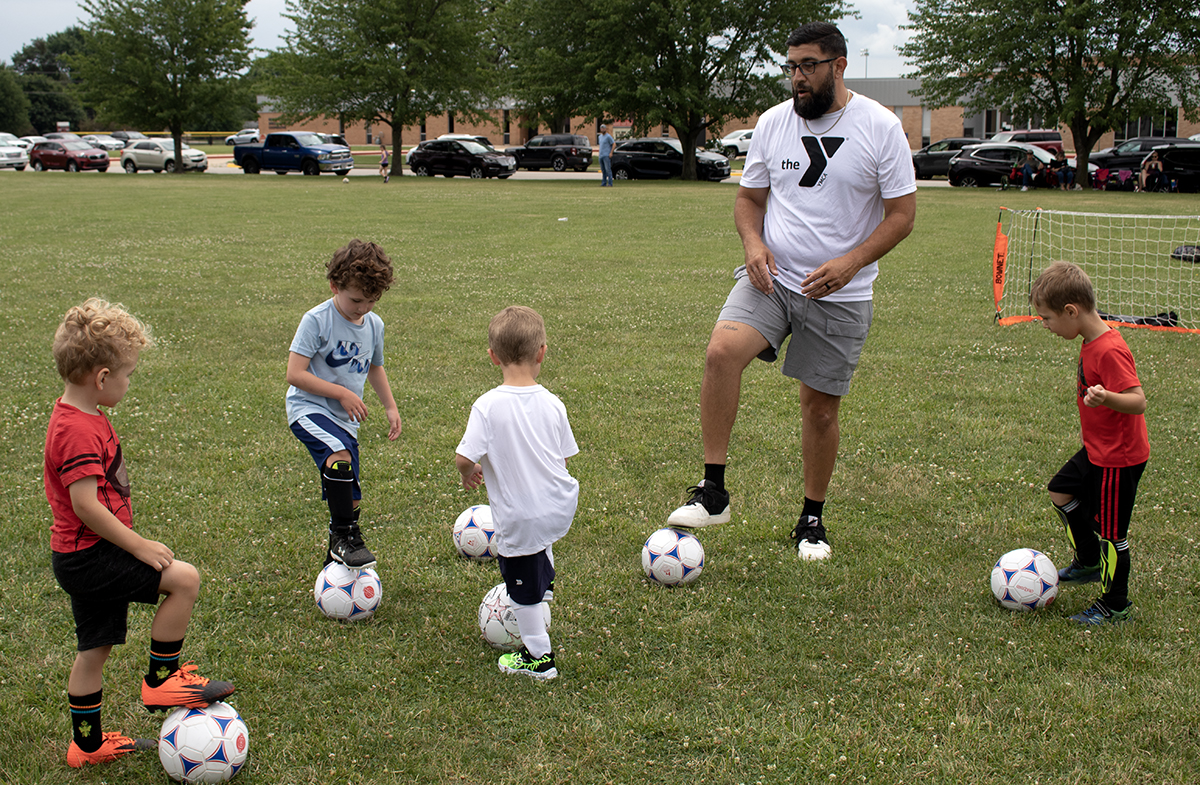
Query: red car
{"x":67,"y":154}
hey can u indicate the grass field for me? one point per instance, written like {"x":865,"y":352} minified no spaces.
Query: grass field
{"x":890,"y":663}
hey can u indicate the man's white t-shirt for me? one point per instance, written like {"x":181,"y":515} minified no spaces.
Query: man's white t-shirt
{"x":828,"y":179}
{"x":521,"y":438}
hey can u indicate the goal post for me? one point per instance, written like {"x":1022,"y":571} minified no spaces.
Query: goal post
{"x":1146,"y":268}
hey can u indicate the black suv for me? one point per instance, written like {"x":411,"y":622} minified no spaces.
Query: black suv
{"x":1130,"y":153}
{"x":934,"y":159}
{"x":1181,"y":165}
{"x":660,"y":157}
{"x":554,"y":151}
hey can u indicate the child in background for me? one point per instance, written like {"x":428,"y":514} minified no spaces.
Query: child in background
{"x":337,"y":349}
{"x":517,"y":442}
{"x":98,"y":559}
{"x":383,"y":161}
{"x":1094,"y":491}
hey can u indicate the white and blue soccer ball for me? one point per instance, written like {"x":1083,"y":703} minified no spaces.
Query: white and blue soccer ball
{"x":672,"y":557}
{"x":347,"y":594}
{"x":203,"y":745}
{"x":1024,"y":580}
{"x":497,"y":621}
{"x":473,"y":533}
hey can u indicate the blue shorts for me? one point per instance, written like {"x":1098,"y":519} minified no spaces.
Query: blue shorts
{"x":527,"y":578}
{"x":323,"y":437}
{"x":102,"y":580}
{"x":827,"y":337}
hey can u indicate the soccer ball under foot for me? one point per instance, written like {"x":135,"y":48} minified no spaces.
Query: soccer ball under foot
{"x":497,"y":621}
{"x":347,"y":594}
{"x":203,"y":745}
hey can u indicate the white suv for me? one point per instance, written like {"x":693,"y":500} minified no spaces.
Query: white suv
{"x":736,"y":143}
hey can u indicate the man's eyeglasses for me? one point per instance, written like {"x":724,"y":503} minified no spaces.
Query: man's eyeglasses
{"x":808,"y":67}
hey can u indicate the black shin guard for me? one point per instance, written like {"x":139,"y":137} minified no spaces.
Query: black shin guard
{"x":337,"y":480}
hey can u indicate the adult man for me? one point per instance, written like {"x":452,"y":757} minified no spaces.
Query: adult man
{"x":606,"y":147}
{"x":836,"y":173}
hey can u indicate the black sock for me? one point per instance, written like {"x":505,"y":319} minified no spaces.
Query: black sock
{"x":714,"y":476}
{"x":1078,"y":520}
{"x":815,"y":509}
{"x":85,"y":720}
{"x":164,"y":660}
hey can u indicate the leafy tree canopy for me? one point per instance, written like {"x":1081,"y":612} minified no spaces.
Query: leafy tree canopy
{"x":162,"y":63}
{"x":393,"y":62}
{"x":1089,"y":64}
{"x":687,"y":64}
{"x":48,"y":56}
{"x":51,"y":102}
{"x":14,"y":106}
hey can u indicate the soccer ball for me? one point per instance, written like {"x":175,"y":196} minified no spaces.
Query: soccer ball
{"x":474,"y":535}
{"x":1024,"y":580}
{"x":346,"y":594}
{"x":345,"y":179}
{"x":203,"y":745}
{"x":672,"y":557}
{"x":497,"y":621}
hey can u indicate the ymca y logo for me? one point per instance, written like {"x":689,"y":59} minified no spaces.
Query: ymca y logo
{"x":820,"y":150}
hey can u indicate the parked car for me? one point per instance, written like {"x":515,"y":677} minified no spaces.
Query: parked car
{"x":659,"y":157}
{"x":12,"y":156}
{"x":934,"y":160}
{"x":70,"y":155}
{"x":554,"y":151}
{"x":64,"y":136}
{"x":450,"y":157}
{"x":735,"y":143}
{"x":244,"y":136}
{"x":160,"y":155}
{"x":9,"y":140}
{"x":1044,"y":138}
{"x":128,"y":136}
{"x":1181,"y":165}
{"x":990,"y":163}
{"x":104,"y":142}
{"x":1130,"y":153}
{"x":32,"y":140}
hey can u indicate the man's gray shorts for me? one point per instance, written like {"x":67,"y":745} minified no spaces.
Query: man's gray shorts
{"x":827,"y":337}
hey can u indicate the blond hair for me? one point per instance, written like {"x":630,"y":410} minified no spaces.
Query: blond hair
{"x":515,"y":334}
{"x":1063,"y":284}
{"x":97,"y":334}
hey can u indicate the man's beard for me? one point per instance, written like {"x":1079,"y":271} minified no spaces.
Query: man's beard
{"x":817,"y":102}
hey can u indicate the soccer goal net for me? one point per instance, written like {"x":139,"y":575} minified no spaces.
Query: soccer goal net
{"x":1146,"y":268}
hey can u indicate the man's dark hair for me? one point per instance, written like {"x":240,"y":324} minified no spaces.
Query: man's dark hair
{"x":824,"y":35}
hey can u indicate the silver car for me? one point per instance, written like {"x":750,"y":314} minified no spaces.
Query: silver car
{"x":104,"y":142}
{"x":9,"y":140}
{"x":159,"y":155}
{"x":13,"y":157}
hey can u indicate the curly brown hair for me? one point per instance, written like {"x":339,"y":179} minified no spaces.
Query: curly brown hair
{"x":361,"y":265}
{"x":97,"y":334}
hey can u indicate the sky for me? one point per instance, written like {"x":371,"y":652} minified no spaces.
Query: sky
{"x":877,"y":31}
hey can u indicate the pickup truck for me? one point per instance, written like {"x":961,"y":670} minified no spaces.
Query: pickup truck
{"x":293,"y":151}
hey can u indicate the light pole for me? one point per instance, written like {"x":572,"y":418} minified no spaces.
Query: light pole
{"x":865,"y":55}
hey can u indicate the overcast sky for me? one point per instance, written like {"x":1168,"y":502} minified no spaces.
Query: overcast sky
{"x":877,"y":31}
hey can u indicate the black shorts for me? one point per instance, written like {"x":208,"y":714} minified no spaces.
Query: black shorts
{"x":102,"y":580}
{"x":1106,"y":493}
{"x":527,"y":578}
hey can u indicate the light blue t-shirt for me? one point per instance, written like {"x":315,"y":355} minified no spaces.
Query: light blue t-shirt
{"x":341,"y":352}
{"x":606,"y":144}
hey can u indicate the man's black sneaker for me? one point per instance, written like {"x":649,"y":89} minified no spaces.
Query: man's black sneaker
{"x":811,"y":541}
{"x":708,"y":506}
{"x":350,"y":550}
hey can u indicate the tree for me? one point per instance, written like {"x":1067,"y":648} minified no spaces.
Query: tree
{"x":49,"y":56}
{"x":45,"y":76}
{"x":391,"y":62}
{"x":1088,"y":64}
{"x":162,"y":63}
{"x":14,"y":106}
{"x":51,"y":102}
{"x":687,"y":64}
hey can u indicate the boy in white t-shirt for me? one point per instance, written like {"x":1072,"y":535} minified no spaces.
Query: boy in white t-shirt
{"x":517,"y":443}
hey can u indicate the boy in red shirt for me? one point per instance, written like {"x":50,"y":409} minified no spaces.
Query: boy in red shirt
{"x":1093,"y":492}
{"x":98,"y":559}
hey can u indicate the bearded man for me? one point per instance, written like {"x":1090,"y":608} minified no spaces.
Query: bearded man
{"x":828,"y":189}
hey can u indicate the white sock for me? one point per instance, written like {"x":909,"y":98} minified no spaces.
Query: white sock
{"x":532,"y":625}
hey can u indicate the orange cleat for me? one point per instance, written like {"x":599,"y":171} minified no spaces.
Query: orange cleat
{"x":114,"y":746}
{"x":184,"y":688}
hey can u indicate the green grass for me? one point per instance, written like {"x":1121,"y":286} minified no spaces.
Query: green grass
{"x":888,"y":664}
